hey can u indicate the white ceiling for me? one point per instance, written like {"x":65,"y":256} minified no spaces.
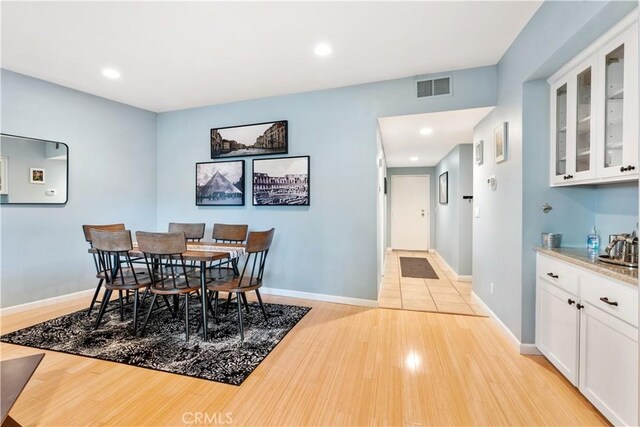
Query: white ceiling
{"x":175,"y":55}
{"x":402,"y":140}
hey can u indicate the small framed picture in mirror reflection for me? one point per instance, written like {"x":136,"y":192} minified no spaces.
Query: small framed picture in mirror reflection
{"x":37,"y":176}
{"x":4,"y":184}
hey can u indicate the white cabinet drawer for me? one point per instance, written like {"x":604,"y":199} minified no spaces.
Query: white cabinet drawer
{"x":559,"y":273}
{"x":615,"y":298}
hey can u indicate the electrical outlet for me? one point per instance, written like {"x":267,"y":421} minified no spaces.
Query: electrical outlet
{"x":491,"y":288}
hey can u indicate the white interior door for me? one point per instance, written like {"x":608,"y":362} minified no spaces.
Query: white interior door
{"x":410,"y":212}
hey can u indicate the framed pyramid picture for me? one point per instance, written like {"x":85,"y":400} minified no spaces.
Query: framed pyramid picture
{"x":220,"y":183}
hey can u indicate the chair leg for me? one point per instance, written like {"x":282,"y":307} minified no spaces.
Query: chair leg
{"x":264,"y":312}
{"x":95,"y":296}
{"x":246,"y":302}
{"x":135,"y":312}
{"x":226,"y":309}
{"x":121,"y":306}
{"x":240,"y":316}
{"x":148,"y":314}
{"x":103,"y":306}
{"x":186,"y":316}
{"x":216,"y":294}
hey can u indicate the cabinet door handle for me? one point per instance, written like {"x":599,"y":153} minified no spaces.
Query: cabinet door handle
{"x":630,"y":168}
{"x":606,"y":300}
{"x":570,"y":301}
{"x":553,"y":276}
{"x":623,"y":169}
{"x":579,"y":306}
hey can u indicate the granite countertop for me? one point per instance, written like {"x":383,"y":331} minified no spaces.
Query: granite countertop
{"x":578,"y":256}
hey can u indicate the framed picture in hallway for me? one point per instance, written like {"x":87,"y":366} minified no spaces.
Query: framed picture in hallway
{"x":500,"y":140}
{"x":259,"y":139}
{"x":443,"y":188}
{"x":479,"y":152}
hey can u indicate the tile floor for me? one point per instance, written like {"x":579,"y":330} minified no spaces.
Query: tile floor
{"x":444,"y":295}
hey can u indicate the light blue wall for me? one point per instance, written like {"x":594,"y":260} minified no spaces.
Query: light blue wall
{"x":510,"y":217}
{"x":112,"y":159}
{"x":453,"y":220}
{"x":433,"y":200}
{"x":330,"y":246}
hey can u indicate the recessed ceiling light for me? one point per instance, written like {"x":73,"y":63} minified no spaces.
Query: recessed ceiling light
{"x":111,"y":73}
{"x":426,"y":131}
{"x":323,"y":49}
{"x":413,"y":159}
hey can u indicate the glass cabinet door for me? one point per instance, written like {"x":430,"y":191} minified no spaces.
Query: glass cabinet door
{"x":561,"y":130}
{"x":583,"y":122}
{"x":614,"y":107}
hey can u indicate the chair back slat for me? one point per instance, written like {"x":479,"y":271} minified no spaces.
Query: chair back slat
{"x":107,"y":227}
{"x":161,"y":243}
{"x":192,"y":231}
{"x":230,"y":233}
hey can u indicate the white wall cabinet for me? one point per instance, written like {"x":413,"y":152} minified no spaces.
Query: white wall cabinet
{"x":594,"y":111}
{"x":587,"y":326}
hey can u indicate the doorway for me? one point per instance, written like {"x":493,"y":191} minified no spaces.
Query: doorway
{"x":410,"y":212}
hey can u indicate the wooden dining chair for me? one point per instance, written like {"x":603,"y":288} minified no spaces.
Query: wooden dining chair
{"x":99,"y":273}
{"x":167,"y":269}
{"x":257,"y":249}
{"x":113,"y":255}
{"x":193,"y":232}
{"x":229,"y":233}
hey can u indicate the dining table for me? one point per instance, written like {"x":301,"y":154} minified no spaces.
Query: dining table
{"x":202,"y":253}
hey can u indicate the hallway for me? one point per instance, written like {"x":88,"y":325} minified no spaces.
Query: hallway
{"x":444,"y":295}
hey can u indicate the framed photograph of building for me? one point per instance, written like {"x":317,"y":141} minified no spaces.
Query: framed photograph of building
{"x":500,"y":140}
{"x":281,"y":182}
{"x":259,"y":139}
{"x":443,"y":188}
{"x":479,"y":152}
{"x":220,"y":183}
{"x":36,"y":176}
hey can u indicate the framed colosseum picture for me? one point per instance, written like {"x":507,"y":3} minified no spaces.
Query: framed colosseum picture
{"x":282,"y":181}
{"x":258,"y":139}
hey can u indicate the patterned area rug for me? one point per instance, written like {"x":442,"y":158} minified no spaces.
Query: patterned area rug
{"x":223,"y":358}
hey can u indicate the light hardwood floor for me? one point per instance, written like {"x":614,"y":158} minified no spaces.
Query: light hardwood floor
{"x":341,"y":365}
{"x":444,"y":295}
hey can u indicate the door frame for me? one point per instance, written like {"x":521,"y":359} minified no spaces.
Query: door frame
{"x":393,"y":178}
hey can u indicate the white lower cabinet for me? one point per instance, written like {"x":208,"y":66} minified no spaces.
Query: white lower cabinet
{"x":588,"y":338}
{"x":609,"y":365}
{"x":558,"y":322}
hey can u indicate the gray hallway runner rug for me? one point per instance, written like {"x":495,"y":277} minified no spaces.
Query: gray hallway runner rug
{"x":417,"y":267}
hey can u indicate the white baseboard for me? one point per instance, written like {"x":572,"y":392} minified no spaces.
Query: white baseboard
{"x":458,"y":277}
{"x":270,"y":291}
{"x":46,"y":302}
{"x":521,"y":348}
{"x":320,"y":297}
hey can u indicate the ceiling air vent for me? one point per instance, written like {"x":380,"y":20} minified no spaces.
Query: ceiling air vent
{"x":433,"y":87}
